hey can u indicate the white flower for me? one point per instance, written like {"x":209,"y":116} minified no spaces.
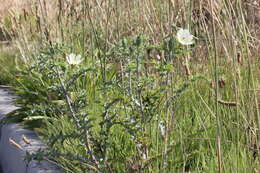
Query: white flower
{"x":74,"y":59}
{"x":184,"y":37}
{"x":162,"y":128}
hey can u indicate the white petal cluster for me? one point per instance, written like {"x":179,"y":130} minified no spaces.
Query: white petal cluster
{"x":184,"y":37}
{"x":74,"y":59}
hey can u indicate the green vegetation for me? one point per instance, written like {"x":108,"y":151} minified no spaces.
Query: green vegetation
{"x":136,"y":98}
{"x":7,"y":64}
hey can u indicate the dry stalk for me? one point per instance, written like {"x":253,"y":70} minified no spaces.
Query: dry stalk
{"x":26,"y":140}
{"x":13,"y":143}
{"x":228,"y":103}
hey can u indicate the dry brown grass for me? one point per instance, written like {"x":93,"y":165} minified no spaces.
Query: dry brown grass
{"x":19,"y":6}
{"x":115,"y":19}
{"x":7,"y":5}
{"x":119,"y":18}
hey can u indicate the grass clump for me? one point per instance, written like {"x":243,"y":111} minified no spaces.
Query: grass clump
{"x":8,"y":66}
{"x":136,"y":99}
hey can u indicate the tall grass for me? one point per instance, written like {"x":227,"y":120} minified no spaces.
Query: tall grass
{"x":8,"y":61}
{"x":140,"y":101}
